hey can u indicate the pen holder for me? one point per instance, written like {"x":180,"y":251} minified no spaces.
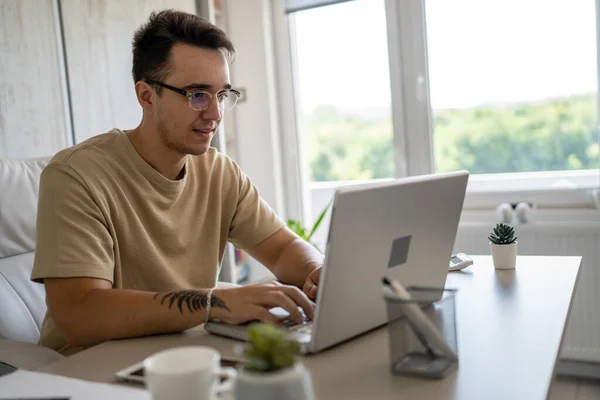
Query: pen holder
{"x":408,"y":354}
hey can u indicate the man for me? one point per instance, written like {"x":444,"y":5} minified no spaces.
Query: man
{"x":132,"y":225}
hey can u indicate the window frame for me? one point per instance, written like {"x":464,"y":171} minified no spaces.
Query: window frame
{"x":411,"y":116}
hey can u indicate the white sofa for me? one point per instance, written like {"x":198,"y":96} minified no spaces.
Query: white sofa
{"x":22,"y":302}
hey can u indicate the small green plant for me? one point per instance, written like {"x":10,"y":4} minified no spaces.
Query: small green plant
{"x":269,"y":348}
{"x":299,"y":228}
{"x":503,"y":234}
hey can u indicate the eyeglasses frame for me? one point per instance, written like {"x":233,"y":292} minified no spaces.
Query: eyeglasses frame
{"x":190,"y":93}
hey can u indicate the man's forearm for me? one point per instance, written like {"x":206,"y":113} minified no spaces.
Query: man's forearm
{"x":296,"y":262}
{"x":104,"y":314}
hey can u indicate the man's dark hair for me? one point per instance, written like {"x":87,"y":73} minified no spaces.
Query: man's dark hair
{"x":153,"y":41}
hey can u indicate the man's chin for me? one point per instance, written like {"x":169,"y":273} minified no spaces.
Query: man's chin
{"x":198,"y":147}
{"x":194,"y":149}
{"x":197,"y":151}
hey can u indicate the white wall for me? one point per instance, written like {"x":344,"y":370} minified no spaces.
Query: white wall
{"x":97,"y":39}
{"x":34,"y":120}
{"x":255,"y":119}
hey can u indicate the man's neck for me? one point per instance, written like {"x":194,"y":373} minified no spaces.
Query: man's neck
{"x":169,"y":163}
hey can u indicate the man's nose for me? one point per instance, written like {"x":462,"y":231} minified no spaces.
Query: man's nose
{"x":213,"y":112}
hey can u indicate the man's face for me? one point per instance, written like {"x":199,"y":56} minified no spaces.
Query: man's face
{"x":181,"y":128}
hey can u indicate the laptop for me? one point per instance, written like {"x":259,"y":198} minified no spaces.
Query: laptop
{"x":402,"y":229}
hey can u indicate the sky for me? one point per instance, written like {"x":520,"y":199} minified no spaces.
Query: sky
{"x":479,"y":51}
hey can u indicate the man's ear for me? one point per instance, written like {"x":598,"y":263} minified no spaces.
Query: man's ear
{"x":145,"y":95}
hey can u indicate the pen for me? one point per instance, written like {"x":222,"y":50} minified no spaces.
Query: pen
{"x":389,"y":293}
{"x":418,"y":319}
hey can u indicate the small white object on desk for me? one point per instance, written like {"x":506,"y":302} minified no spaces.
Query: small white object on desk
{"x":28,"y":384}
{"x":459,"y":261}
{"x":187,"y":373}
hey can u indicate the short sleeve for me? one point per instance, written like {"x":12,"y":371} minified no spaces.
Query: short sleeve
{"x":254,"y":220}
{"x":72,"y":236}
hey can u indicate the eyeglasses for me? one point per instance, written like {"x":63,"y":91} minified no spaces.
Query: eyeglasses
{"x":200,"y":100}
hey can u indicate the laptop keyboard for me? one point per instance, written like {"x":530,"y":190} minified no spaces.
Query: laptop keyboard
{"x":304,"y":327}
{"x":301,"y":332}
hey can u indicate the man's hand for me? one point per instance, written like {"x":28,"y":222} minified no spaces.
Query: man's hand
{"x":291,"y":259}
{"x":312,"y":282}
{"x":252,"y":302}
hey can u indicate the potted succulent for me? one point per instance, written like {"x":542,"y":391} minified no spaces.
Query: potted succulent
{"x":503,"y":244}
{"x":271,"y":369}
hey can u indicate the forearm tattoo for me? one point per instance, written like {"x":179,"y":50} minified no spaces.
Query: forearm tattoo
{"x":194,"y":299}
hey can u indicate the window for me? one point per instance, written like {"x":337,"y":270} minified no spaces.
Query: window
{"x":344,"y":112}
{"x":513,"y":85}
{"x":504,"y":89}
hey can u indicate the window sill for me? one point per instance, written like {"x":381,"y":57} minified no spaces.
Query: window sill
{"x":545,"y":190}
{"x":553,"y":189}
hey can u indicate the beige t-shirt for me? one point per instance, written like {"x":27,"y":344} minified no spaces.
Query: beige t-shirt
{"x":105,"y":213}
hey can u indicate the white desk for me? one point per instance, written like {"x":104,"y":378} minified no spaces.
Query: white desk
{"x":510,"y":327}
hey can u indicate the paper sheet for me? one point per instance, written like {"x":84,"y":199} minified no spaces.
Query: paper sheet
{"x":22,"y":383}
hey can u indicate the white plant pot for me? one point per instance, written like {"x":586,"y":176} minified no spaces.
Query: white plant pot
{"x":292,"y":383}
{"x":504,"y":255}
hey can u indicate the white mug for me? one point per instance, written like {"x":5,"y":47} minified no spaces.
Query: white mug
{"x":188,"y":372}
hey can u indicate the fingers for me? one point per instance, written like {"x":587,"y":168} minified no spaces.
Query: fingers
{"x":310,"y":289}
{"x":315,"y":276}
{"x":262,"y":297}
{"x":263,"y":314}
{"x":312,"y":283}
{"x":300,"y":299}
{"x":281,"y":299}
